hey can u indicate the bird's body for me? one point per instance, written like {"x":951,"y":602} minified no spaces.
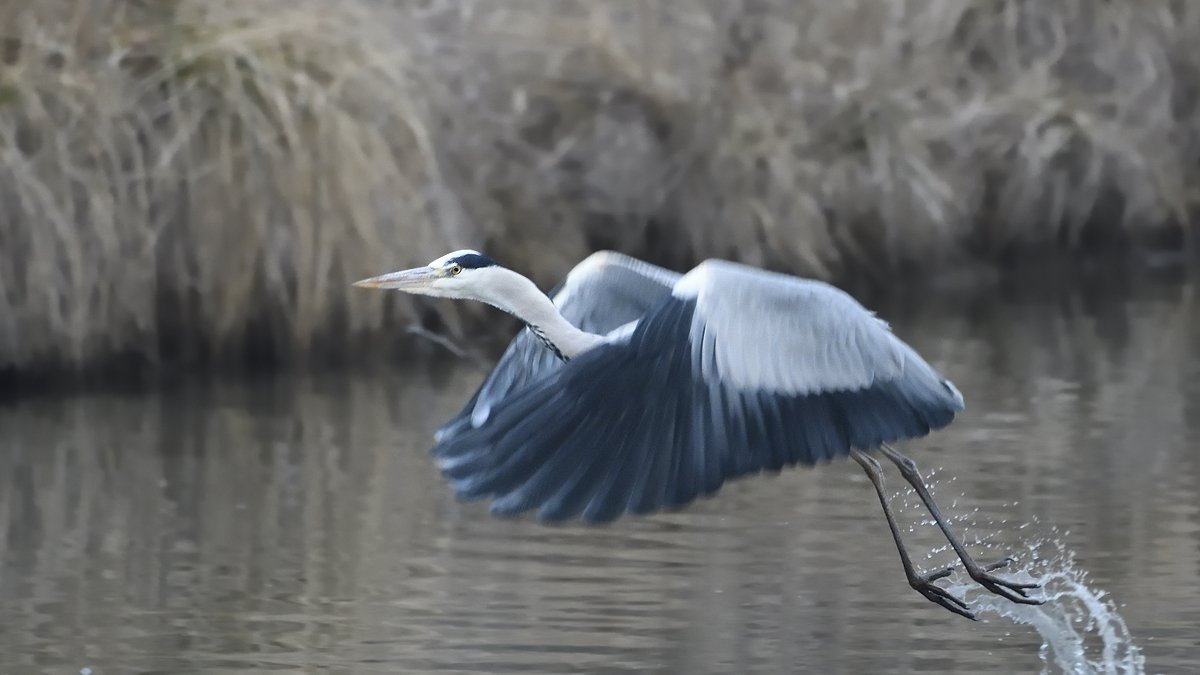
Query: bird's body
{"x":635,"y":388}
{"x":695,"y":379}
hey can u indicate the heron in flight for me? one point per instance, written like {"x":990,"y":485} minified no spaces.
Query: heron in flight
{"x":636,"y":389}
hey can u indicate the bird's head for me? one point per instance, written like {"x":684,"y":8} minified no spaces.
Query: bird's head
{"x":461,"y":274}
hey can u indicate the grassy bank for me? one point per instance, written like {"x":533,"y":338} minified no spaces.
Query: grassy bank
{"x":183,"y":181}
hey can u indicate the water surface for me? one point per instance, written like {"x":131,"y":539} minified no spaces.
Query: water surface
{"x":297,"y":524}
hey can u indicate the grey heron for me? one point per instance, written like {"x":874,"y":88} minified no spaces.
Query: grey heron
{"x":635,"y":389}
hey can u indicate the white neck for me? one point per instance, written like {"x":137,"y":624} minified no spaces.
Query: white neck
{"x":520,"y":297}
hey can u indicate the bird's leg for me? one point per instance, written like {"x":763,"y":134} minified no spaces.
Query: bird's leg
{"x":1017,"y":592}
{"x":923,"y":584}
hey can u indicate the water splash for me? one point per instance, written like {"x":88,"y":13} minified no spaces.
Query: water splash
{"x":1082,"y":632}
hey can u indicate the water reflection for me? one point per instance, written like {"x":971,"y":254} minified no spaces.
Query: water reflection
{"x":298,"y":525}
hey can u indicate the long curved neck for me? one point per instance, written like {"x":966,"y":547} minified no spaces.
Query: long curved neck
{"x":522,"y":298}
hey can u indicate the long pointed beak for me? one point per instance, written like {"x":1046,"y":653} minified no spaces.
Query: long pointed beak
{"x":403,"y":280}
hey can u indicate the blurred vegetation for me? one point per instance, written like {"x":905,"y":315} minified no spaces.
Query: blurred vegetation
{"x":187,"y":181}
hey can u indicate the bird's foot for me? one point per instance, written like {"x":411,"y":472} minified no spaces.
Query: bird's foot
{"x":1016,"y":592}
{"x":1010,"y":590}
{"x":938,"y":595}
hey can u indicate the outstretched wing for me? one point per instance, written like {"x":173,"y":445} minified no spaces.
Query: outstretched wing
{"x":737,"y":371}
{"x":603,"y":292}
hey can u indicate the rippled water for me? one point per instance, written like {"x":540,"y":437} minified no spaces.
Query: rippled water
{"x":297,"y":525}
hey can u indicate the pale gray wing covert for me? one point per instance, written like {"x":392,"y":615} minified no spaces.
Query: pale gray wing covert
{"x":736,"y":371}
{"x":602,"y":293}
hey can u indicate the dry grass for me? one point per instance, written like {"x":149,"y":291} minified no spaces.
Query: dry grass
{"x":192,"y":179}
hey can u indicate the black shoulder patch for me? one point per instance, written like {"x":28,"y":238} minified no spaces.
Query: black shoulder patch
{"x":472,"y":261}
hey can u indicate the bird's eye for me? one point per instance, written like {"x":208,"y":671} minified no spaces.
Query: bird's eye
{"x":455,"y":270}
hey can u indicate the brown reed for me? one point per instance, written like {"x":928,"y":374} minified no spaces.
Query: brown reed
{"x":198,"y":180}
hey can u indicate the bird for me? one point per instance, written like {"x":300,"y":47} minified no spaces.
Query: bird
{"x":634,"y":389}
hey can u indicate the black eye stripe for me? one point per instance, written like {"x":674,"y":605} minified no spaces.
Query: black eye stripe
{"x":473,"y":261}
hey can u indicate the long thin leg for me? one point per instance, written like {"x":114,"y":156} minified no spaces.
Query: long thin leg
{"x":922,"y":584}
{"x":982,"y":574}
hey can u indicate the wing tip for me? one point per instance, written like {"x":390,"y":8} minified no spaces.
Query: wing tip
{"x":959,"y":403}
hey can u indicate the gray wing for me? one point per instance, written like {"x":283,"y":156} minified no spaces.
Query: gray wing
{"x":737,"y":371}
{"x":603,"y":292}
{"x":754,"y":330}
